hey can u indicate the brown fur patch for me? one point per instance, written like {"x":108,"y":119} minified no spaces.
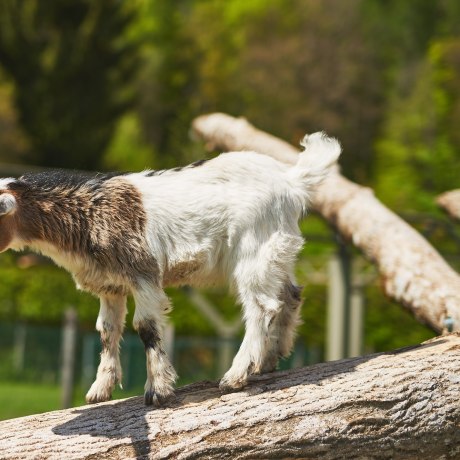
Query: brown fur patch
{"x":7,"y":230}
{"x":291,"y":295}
{"x":181,"y":273}
{"x":102,"y":223}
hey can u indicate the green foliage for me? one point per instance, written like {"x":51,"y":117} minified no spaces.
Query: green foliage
{"x":381,"y":75}
{"x":418,"y":153}
{"x":166,"y":79}
{"x":72,"y":67}
{"x":387,"y":327}
{"x":187,"y":321}
{"x":305,"y":75}
{"x":40,"y":293}
{"x":127,"y":150}
{"x":13,"y":141}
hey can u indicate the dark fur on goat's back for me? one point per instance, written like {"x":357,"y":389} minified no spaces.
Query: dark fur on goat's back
{"x":59,"y":178}
{"x":160,"y":172}
{"x":99,"y":218}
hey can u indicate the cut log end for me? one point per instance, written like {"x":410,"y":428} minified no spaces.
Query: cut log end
{"x":450,"y":202}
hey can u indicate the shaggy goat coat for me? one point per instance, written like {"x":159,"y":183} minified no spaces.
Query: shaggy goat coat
{"x":231,"y":219}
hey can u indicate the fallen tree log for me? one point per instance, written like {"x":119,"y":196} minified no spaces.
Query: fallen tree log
{"x":412,"y":271}
{"x":400,"y":405}
{"x":450,"y":202}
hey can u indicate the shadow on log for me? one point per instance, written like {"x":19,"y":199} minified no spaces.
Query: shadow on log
{"x":402,"y":404}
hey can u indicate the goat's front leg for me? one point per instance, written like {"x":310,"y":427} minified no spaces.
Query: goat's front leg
{"x":110,"y":324}
{"x":152,"y":305}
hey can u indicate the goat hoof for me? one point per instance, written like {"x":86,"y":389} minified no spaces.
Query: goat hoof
{"x":268,"y":368}
{"x":151,"y":398}
{"x":96,"y":394}
{"x":226,"y":387}
{"x":154,"y":399}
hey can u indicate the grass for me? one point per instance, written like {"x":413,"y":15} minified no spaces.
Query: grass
{"x":20,"y":399}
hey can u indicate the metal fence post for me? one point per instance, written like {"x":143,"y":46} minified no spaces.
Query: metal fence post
{"x":338,"y":304}
{"x":69,"y":342}
{"x":89,"y":365}
{"x":20,"y":334}
{"x":168,"y":341}
{"x":356,"y":323}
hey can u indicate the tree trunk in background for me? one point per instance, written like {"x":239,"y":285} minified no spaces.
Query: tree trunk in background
{"x":450,"y":202}
{"x":400,"y":405}
{"x":412,"y":271}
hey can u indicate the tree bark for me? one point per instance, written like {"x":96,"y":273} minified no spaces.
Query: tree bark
{"x":412,"y":271}
{"x":450,"y":202}
{"x":400,"y":405}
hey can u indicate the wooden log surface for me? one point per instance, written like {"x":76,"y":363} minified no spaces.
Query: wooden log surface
{"x":398,"y":405}
{"x":412,"y":271}
{"x":450,"y":202}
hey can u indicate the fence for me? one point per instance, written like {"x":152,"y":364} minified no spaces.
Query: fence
{"x":34,"y":353}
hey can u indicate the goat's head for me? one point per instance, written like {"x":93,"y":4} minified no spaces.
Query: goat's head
{"x":8,"y":207}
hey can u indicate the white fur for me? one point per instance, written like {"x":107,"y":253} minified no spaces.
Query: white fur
{"x":110,"y":323}
{"x":235,"y":219}
{"x":5,"y":181}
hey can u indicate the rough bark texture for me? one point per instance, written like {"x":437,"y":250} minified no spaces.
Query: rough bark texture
{"x":399,"y":405}
{"x":450,"y":202}
{"x":412,"y":271}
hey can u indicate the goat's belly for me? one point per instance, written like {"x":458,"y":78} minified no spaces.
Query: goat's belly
{"x":191,"y":272}
{"x":101,"y":283}
{"x":105,"y":288}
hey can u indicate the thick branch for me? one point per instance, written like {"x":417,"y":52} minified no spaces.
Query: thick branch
{"x":399,"y":405}
{"x":412,"y":271}
{"x":450,"y":202}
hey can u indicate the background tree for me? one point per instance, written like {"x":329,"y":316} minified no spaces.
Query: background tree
{"x":167,"y":80}
{"x":312,"y":64}
{"x":382,"y":75}
{"x":72,"y":67}
{"x":14,"y":145}
{"x":421,"y":133}
{"x":306,"y":74}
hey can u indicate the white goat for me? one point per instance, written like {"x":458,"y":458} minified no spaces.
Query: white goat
{"x":233,"y":218}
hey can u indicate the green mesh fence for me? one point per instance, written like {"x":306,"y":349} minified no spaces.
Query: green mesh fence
{"x":32,"y":353}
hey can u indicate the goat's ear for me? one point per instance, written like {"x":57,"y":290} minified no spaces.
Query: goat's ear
{"x":7,"y":204}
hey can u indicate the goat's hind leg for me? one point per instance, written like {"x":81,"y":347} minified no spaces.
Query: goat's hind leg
{"x":283,"y":328}
{"x":152,"y":305}
{"x":250,"y":356}
{"x":261,"y":282}
{"x":110,"y":324}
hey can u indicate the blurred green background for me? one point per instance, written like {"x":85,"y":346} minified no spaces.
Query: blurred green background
{"x":114,"y":85}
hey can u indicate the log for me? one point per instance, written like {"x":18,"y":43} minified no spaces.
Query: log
{"x":400,"y":405}
{"x":413,"y":273}
{"x":450,"y":202}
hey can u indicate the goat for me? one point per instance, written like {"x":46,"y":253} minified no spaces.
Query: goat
{"x":233,"y":218}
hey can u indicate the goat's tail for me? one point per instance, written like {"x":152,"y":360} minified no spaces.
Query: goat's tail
{"x":315,"y":162}
{"x":320,"y":154}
